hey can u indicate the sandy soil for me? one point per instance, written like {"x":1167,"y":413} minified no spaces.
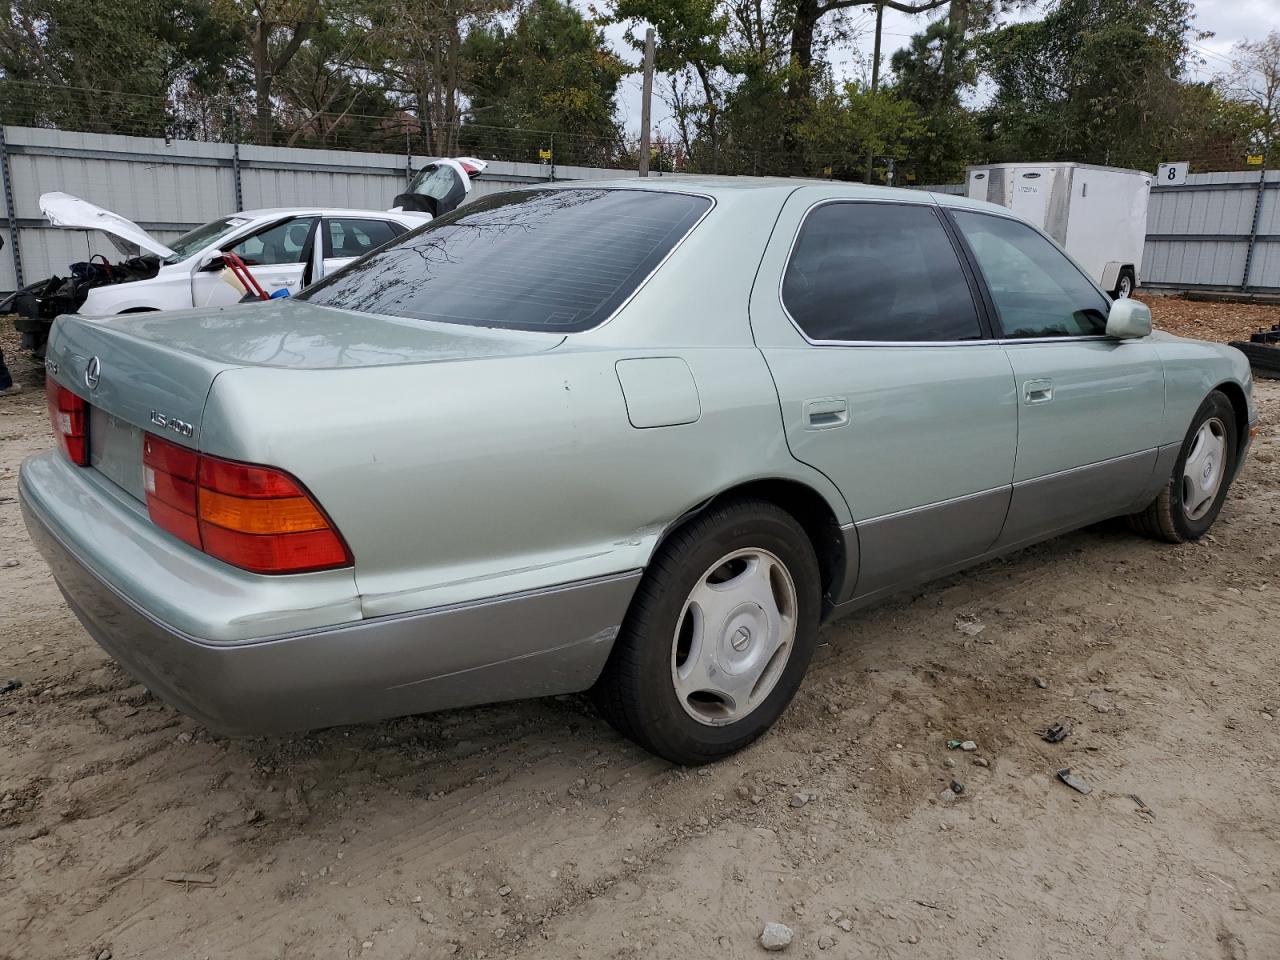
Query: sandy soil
{"x":530,"y":830}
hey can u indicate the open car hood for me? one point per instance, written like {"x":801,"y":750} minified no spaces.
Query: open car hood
{"x":64,"y":210}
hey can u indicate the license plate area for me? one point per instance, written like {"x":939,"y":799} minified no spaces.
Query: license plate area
{"x":115,"y":451}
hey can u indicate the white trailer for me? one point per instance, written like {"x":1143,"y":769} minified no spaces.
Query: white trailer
{"x":1098,"y":214}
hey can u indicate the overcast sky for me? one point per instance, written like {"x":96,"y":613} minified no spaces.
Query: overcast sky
{"x":1229,"y":20}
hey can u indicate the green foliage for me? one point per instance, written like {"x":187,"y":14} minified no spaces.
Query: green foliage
{"x":750,"y":83}
{"x":65,"y":62}
{"x":849,"y":122}
{"x":1095,"y":80}
{"x":931,"y":73}
{"x":552,"y":72}
{"x":691,"y":43}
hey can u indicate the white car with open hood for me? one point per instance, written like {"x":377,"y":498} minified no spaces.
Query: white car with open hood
{"x":284,"y":248}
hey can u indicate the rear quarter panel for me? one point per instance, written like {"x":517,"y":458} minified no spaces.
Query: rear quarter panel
{"x":453,"y":482}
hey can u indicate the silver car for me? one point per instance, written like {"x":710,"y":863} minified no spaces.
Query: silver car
{"x":639,"y":438}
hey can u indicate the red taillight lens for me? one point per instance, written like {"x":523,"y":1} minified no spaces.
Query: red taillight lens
{"x":252,"y":517}
{"x":69,"y":417}
{"x":169,"y":479}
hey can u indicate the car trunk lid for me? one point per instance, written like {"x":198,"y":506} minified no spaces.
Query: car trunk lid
{"x":152,"y":373}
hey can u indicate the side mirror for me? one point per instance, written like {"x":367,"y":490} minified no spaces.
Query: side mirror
{"x":1129,"y":319}
{"x":213,"y":264}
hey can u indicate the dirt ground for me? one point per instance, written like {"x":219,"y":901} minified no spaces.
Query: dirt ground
{"x":530,"y":830}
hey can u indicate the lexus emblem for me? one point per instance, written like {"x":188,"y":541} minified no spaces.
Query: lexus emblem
{"x":93,"y":373}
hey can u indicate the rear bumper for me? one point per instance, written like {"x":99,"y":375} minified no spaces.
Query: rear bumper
{"x":534,"y":644}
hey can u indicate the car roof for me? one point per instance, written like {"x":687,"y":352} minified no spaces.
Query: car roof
{"x":266,"y":212}
{"x":725,"y":187}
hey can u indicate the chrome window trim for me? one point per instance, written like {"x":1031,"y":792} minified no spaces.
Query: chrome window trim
{"x":1083,"y":337}
{"x":791,"y":249}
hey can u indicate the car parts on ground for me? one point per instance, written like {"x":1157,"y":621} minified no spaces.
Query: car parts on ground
{"x":286,"y":249}
{"x":1263,"y":351}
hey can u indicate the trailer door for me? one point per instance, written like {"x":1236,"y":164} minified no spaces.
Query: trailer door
{"x":978,"y":184}
{"x":1032,"y":187}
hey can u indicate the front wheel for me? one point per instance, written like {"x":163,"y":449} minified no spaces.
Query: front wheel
{"x":1193,"y":497}
{"x":719,"y":635}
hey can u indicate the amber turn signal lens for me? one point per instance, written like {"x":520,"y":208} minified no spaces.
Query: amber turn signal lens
{"x":253,"y":517}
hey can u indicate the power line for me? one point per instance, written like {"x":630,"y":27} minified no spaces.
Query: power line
{"x":1212,"y":53}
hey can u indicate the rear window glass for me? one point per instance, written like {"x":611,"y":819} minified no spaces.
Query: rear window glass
{"x":528,"y":260}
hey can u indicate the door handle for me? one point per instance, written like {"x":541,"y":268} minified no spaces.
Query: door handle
{"x":823,"y":413}
{"x":1037,"y":391}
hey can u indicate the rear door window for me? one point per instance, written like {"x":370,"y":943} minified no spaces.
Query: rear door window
{"x":352,"y":237}
{"x":561,"y":260}
{"x":863,"y":272}
{"x":1037,"y":291}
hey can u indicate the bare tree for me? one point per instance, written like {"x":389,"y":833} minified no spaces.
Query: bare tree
{"x":1255,"y":79}
{"x":804,"y":32}
{"x":422,"y":57}
{"x":275,"y":30}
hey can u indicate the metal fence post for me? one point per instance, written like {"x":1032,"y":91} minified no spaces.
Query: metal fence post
{"x":235,"y":159}
{"x":1253,"y":230}
{"x":552,"y":176}
{"x":15,"y":249}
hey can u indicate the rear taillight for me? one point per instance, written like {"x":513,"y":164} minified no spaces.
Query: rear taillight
{"x":169,"y":478}
{"x":252,"y":517}
{"x":69,"y":417}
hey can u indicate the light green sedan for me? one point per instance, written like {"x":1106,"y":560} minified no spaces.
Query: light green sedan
{"x":640,"y":438}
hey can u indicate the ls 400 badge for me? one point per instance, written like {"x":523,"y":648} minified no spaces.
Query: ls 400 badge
{"x":180,"y":427}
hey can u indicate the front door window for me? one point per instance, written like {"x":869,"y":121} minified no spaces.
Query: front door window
{"x":1038,"y":292}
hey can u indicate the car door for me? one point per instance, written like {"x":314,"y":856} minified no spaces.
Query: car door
{"x":888,"y":381}
{"x":1089,"y":406}
{"x":342,"y":239}
{"x":276,"y":255}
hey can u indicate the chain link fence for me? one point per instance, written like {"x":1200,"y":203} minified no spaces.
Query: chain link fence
{"x":233,"y":121}
{"x":1218,"y":228}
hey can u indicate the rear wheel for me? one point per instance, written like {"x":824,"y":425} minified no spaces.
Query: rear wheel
{"x":1193,"y":497}
{"x":1124,"y":283}
{"x":719,"y":635}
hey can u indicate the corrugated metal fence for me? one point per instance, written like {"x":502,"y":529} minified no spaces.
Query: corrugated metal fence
{"x":170,"y":187}
{"x":1218,"y":231}
{"x":1207,"y":233}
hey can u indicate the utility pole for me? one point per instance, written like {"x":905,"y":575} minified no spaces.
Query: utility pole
{"x":646,"y":102}
{"x":875,"y":80}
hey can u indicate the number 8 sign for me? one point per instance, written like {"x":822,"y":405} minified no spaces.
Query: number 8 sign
{"x":1172,"y":174}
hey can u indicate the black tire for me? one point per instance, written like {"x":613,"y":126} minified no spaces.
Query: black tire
{"x":1165,"y":518}
{"x":1264,"y":358}
{"x":636,"y":692}
{"x":1126,"y":283}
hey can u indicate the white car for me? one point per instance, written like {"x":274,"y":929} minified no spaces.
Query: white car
{"x":285,"y":249}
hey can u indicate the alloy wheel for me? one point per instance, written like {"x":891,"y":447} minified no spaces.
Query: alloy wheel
{"x":734,"y":636}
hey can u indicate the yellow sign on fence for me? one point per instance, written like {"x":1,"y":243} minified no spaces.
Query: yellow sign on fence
{"x":1254,"y":159}
{"x":544,"y":154}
